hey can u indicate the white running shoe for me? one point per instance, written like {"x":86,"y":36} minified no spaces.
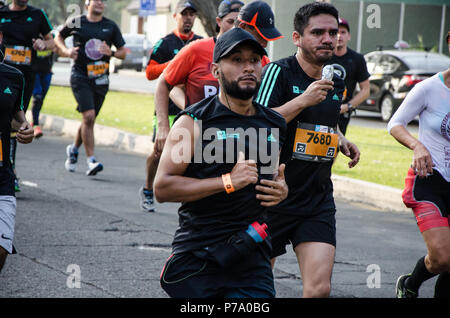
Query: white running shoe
{"x":93,"y":168}
{"x":71,"y":160}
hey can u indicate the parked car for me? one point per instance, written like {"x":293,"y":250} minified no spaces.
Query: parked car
{"x":137,"y":48}
{"x":394,"y":73}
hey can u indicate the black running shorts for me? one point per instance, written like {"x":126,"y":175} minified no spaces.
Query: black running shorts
{"x":319,"y":226}
{"x":88,"y":94}
{"x":187,"y":276}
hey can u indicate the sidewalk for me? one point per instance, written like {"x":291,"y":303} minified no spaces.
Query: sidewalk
{"x":382,"y":198}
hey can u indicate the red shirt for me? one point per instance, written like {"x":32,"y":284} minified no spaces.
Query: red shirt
{"x":192,"y":67}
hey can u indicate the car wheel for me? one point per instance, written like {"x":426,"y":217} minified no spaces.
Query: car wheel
{"x":387,"y":108}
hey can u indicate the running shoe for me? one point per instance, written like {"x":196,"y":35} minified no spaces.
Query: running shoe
{"x":16,"y":185}
{"x":147,"y":202}
{"x":401,"y":290}
{"x":38,"y":132}
{"x":93,"y":168}
{"x":72,"y":158}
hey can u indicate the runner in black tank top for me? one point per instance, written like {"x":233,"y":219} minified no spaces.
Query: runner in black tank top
{"x":224,"y":179}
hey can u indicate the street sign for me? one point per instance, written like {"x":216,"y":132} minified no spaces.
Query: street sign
{"x":148,"y":7}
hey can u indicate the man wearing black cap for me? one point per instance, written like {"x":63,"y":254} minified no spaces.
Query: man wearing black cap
{"x":258,"y":19}
{"x":221,"y":247}
{"x":163,"y":52}
{"x":355,"y":68}
{"x":310,"y":104}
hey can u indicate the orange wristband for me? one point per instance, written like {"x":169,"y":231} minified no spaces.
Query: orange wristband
{"x":226,"y":178}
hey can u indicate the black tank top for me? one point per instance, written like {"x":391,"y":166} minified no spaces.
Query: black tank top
{"x":224,"y":133}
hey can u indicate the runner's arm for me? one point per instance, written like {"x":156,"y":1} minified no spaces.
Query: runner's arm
{"x":361,"y":96}
{"x":170,"y":184}
{"x":178,"y":96}
{"x":25,"y":133}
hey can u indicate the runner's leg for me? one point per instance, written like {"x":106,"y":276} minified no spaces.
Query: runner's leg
{"x":316,"y":261}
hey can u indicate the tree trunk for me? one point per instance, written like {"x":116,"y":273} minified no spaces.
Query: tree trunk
{"x":207,"y":13}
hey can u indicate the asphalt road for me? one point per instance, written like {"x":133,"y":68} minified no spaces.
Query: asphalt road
{"x":80,"y":236}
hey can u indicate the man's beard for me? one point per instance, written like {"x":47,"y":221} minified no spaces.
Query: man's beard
{"x":232,"y":88}
{"x":187,"y":29}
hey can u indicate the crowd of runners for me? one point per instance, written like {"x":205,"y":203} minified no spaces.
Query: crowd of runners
{"x":245,"y":144}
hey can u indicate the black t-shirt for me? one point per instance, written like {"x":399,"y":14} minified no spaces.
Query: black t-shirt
{"x":355,"y":69}
{"x":19,"y":29}
{"x":165,"y":50}
{"x":88,"y":36}
{"x":11,"y":95}
{"x":309,"y":182}
{"x":215,"y":218}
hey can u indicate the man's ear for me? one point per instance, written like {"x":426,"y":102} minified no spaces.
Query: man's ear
{"x":296,"y":38}
{"x":215,"y":70}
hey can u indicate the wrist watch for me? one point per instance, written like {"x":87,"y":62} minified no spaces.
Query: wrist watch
{"x":113,"y":53}
{"x":349,"y":107}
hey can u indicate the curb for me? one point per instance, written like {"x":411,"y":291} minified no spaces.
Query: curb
{"x":380,"y":197}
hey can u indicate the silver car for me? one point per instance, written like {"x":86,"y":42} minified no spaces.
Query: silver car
{"x":137,"y":48}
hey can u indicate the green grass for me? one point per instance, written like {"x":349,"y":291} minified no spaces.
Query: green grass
{"x":383,"y":159}
{"x":126,"y":111}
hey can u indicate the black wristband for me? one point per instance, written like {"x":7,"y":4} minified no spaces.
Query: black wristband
{"x":113,"y":53}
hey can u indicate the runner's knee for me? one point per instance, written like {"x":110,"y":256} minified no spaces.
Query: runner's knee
{"x":317,"y":290}
{"x":439,"y":261}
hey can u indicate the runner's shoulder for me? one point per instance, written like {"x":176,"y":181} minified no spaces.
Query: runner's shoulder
{"x":10,"y":71}
{"x":273,"y":116}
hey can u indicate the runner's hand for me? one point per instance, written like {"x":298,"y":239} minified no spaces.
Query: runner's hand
{"x":350,"y":150}
{"x":25,"y":134}
{"x":73,"y":53}
{"x":105,"y":49}
{"x":38,"y":44}
{"x":275,"y":190}
{"x":160,"y":140}
{"x":422,"y":162}
{"x":244,"y":173}
{"x":316,"y":92}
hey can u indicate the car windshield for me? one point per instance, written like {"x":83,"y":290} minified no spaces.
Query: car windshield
{"x":427,"y":62}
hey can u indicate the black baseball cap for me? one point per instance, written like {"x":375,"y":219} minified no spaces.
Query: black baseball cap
{"x":259,"y":15}
{"x":183,"y":5}
{"x":232,"y":38}
{"x":228,"y":6}
{"x":344,"y":23}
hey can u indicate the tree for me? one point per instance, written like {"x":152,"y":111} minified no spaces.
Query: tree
{"x":207,"y":13}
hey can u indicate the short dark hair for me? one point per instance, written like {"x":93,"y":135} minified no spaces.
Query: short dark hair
{"x":309,"y":10}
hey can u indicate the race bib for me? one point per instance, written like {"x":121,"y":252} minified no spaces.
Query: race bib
{"x":315,"y":143}
{"x":20,"y":55}
{"x":97,"y":69}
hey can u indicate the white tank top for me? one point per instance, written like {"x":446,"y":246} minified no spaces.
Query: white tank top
{"x":430,"y":100}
